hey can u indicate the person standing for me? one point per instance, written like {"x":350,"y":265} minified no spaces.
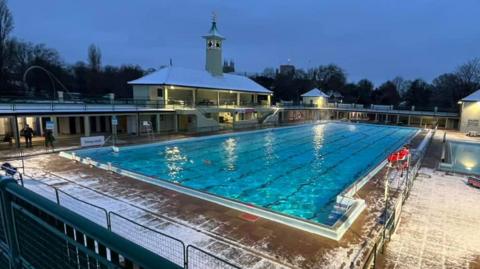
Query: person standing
{"x":28,"y":134}
{"x":49,"y":138}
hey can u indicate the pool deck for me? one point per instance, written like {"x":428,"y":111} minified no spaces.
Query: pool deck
{"x":218,"y":229}
{"x":439,"y":227}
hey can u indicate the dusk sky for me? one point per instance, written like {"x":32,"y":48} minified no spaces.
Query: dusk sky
{"x":374,"y":39}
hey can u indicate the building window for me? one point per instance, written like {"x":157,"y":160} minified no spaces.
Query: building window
{"x":160,"y":92}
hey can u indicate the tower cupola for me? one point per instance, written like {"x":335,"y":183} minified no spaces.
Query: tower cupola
{"x":214,"y":40}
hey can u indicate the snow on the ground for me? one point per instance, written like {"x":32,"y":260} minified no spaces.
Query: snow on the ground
{"x":124,"y":207}
{"x":440,"y":225}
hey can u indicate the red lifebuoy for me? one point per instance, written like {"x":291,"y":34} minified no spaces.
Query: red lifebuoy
{"x":400,"y":155}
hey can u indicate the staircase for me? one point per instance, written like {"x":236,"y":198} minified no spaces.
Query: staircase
{"x":203,"y":124}
{"x":270,"y":118}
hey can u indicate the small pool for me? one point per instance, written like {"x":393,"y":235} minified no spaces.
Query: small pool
{"x":296,"y":171}
{"x":465,"y":157}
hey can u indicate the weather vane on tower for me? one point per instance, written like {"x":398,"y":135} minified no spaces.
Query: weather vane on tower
{"x":214,"y":16}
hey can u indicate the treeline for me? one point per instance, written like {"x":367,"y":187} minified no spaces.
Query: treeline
{"x":444,"y":91}
{"x":88,"y":78}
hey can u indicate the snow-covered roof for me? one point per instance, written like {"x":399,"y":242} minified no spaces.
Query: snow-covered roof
{"x":178,"y":76}
{"x":474,"y":97}
{"x":314,"y":93}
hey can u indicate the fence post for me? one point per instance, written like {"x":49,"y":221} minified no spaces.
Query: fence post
{"x":8,"y":223}
{"x":57,"y":196}
{"x":185,"y":257}
{"x":109,"y":221}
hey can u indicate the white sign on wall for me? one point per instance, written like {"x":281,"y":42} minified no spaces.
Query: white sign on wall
{"x":114,"y":120}
{"x":88,"y":141}
{"x":50,"y":125}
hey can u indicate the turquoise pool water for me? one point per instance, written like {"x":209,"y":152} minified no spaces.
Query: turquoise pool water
{"x":297,"y":171}
{"x":465,"y":157}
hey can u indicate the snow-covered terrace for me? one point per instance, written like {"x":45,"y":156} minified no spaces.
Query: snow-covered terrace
{"x":439,"y":227}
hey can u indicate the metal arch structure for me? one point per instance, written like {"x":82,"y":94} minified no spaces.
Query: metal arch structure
{"x":50,"y":75}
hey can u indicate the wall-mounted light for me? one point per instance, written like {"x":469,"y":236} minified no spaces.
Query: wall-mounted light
{"x":459,"y":102}
{"x":172,"y":87}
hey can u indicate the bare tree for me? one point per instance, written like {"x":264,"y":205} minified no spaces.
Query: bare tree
{"x":469,"y":72}
{"x":401,"y":84}
{"x":94,"y":57}
{"x":6,"y":27}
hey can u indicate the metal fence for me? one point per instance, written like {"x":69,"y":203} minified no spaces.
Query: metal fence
{"x":90,"y":211}
{"x":38,"y":233}
{"x":163,"y":245}
{"x":199,"y":259}
{"x":155,"y":241}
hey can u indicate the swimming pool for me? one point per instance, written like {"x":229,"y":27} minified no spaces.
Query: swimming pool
{"x":464,"y":157}
{"x":296,"y":171}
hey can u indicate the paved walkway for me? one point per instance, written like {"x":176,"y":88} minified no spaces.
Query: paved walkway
{"x":440,"y":225}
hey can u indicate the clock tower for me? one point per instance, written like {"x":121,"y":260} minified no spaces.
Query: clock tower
{"x":214,"y":40}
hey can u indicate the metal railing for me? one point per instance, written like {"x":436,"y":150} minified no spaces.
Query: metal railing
{"x":161,"y":244}
{"x":37,"y":233}
{"x":200,"y":259}
{"x":392,"y":220}
{"x":164,"y":245}
{"x":373,"y":107}
{"x":102,"y":104}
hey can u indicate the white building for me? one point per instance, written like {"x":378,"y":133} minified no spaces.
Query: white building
{"x":315,"y":98}
{"x":205,"y":99}
{"x":470,"y":113}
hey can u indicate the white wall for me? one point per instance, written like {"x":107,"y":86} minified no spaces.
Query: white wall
{"x":167,"y":122}
{"x":470,"y":114}
{"x":64,"y":125}
{"x":140,"y":92}
{"x":317,"y":101}
{"x":132,"y":124}
{"x":5,"y":126}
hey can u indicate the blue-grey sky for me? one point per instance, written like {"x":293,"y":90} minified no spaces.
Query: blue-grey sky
{"x":375,"y":39}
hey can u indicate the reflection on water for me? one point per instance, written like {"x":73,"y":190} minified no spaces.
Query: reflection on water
{"x":269,"y":140}
{"x":175,"y":161}
{"x":318,"y":137}
{"x":230,"y":147}
{"x":466,"y":157}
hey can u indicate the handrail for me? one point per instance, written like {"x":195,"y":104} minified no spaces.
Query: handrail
{"x":387,"y":108}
